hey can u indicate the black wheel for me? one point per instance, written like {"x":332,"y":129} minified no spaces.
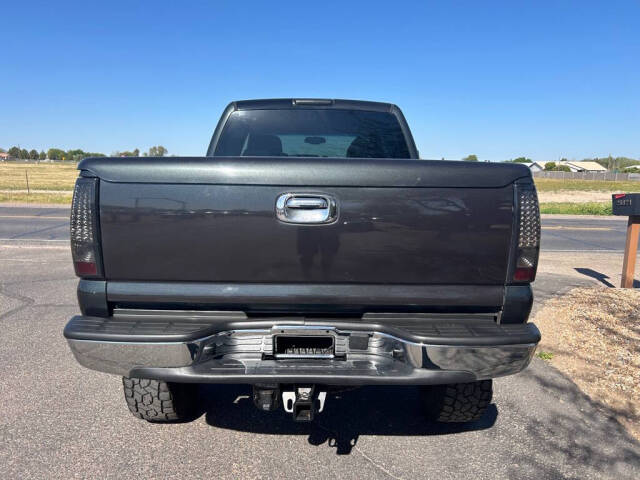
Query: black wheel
{"x":458,"y":402}
{"x":158,"y":401}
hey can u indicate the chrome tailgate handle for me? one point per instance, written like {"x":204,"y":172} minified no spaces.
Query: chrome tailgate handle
{"x":305,"y":208}
{"x":306,"y":202}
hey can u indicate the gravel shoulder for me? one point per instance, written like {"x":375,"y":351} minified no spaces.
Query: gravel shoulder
{"x":592,"y":334}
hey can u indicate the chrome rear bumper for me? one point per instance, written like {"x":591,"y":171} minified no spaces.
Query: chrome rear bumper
{"x":363,"y":356}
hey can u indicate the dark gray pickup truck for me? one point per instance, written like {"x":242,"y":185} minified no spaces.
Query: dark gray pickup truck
{"x":310,"y":250}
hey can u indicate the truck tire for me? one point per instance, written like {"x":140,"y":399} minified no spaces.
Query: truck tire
{"x":157,"y":401}
{"x":459,"y":402}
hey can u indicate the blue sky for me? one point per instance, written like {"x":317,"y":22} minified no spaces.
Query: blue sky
{"x":497,"y":79}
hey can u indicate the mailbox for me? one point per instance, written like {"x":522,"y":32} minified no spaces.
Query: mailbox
{"x":626,"y":204}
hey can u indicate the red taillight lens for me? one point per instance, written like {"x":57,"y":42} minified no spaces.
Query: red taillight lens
{"x":528,"y":234}
{"x":524,"y":274}
{"x":86,"y":268}
{"x":84,"y":229}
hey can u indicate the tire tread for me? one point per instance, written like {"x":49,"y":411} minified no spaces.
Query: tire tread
{"x":459,"y":402}
{"x":159,"y":401}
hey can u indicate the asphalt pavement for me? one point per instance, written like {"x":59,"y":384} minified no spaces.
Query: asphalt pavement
{"x":60,"y":420}
{"x":19,"y":224}
{"x":583,"y":233}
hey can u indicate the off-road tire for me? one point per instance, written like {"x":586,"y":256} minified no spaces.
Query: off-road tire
{"x":157,"y":401}
{"x":458,"y":402}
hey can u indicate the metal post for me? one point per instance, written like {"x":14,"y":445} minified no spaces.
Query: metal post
{"x":26,"y":175}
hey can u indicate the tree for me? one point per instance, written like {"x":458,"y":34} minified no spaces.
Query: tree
{"x":33,"y":154}
{"x":42,"y":155}
{"x":158,"y":151}
{"x":127,"y":153}
{"x":614,"y":164}
{"x":549,"y":166}
{"x":76,"y":155}
{"x":55,"y":154}
{"x":521,"y":160}
{"x":14,"y":152}
{"x":611,"y":163}
{"x":561,"y":168}
{"x":470,"y":158}
{"x":24,"y":154}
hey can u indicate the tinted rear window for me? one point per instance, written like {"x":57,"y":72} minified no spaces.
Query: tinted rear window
{"x":312,"y":133}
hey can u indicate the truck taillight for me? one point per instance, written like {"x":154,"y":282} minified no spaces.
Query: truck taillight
{"x":85,"y":247}
{"x":528,"y":234}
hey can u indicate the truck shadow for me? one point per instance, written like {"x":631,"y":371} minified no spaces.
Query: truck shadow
{"x":575,"y":434}
{"x":347,"y":415}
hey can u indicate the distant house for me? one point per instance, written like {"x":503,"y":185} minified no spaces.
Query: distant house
{"x":535,"y":166}
{"x":573,"y":166}
{"x":584,"y":166}
{"x":4,"y":157}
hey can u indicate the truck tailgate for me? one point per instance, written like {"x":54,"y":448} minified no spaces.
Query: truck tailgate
{"x":221,"y":233}
{"x":213,"y":220}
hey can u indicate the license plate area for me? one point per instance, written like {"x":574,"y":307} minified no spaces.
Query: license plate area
{"x":303,"y":346}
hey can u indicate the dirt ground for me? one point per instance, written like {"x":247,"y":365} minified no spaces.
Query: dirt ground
{"x":593,"y":331}
{"x":578,"y":196}
{"x":594,"y":337}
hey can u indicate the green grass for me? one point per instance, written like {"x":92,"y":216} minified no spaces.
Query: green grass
{"x":544,"y":355}
{"x":556,"y":185}
{"x":59,"y":198}
{"x":571,"y":208}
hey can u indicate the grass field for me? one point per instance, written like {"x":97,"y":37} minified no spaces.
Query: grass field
{"x":557,"y":185}
{"x":42,"y":176}
{"x":49,"y":183}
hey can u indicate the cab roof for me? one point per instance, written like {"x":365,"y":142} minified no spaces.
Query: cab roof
{"x":281,"y":103}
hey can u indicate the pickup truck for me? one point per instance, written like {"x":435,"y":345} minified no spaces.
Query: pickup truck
{"x":309,"y":250}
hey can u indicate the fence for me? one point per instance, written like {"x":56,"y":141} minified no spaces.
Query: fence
{"x":608,"y":176}
{"x":35,"y":162}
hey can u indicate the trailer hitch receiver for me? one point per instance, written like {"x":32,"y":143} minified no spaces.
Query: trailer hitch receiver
{"x":303,"y":402}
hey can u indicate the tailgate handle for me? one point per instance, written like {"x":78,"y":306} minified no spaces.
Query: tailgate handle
{"x":306,"y":202}
{"x":305,"y":208}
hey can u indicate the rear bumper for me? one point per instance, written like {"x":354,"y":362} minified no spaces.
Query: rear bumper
{"x":225,"y":347}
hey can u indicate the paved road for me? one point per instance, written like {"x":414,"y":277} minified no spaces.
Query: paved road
{"x":565,"y":234}
{"x":569,"y":233}
{"x":28,"y":223}
{"x":62,"y":421}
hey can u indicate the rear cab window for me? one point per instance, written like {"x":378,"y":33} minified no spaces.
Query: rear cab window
{"x":340,"y":133}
